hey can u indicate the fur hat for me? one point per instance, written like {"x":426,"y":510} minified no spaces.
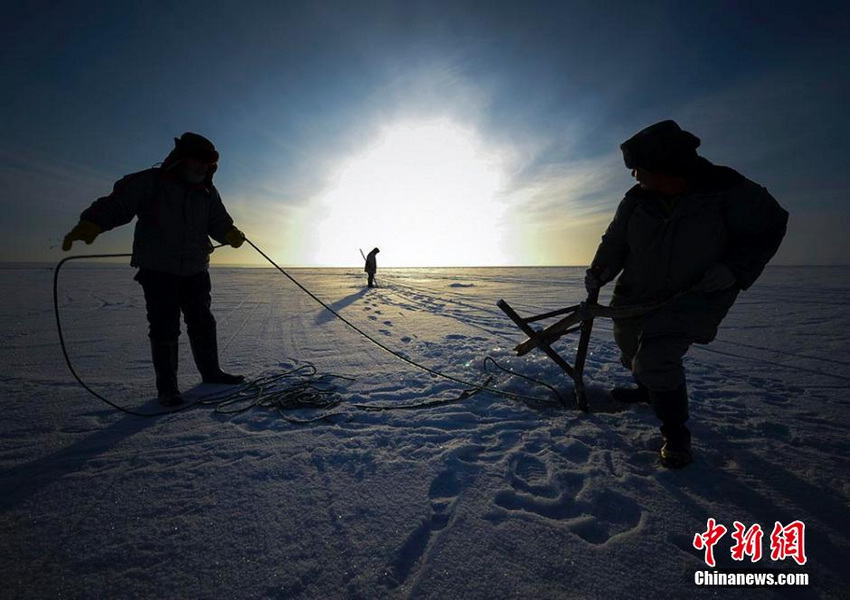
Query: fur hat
{"x":662,"y":148}
{"x":192,"y":145}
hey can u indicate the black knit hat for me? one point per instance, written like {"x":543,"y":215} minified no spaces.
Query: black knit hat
{"x":192,"y":145}
{"x":662,"y":148}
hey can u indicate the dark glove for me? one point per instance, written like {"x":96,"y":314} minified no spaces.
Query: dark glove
{"x":595,"y":277}
{"x":234,"y":238}
{"x":717,"y":278}
{"x":85,"y":231}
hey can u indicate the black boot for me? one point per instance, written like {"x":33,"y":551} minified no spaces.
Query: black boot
{"x":205,"y":352}
{"x":676,"y":451}
{"x":635,"y":395}
{"x":671,"y":407}
{"x":164,"y":356}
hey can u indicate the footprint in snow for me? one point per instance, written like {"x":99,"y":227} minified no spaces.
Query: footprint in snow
{"x":443,"y":494}
{"x":536,"y":492}
{"x":530,"y":474}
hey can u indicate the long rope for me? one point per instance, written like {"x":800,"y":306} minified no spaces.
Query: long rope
{"x":305,"y":388}
{"x":298,"y":387}
{"x":65,"y":350}
{"x":382,"y":346}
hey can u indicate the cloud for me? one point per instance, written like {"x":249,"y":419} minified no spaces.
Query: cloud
{"x":583,"y":189}
{"x":558,"y":211}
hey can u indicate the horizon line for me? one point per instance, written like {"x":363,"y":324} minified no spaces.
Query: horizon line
{"x":294,"y":266}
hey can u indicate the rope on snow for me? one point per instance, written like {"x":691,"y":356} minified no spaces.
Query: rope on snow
{"x":301,"y":386}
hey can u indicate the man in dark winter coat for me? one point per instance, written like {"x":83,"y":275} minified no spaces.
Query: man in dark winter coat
{"x":178,"y":210}
{"x":371,"y":266}
{"x":689,"y":233}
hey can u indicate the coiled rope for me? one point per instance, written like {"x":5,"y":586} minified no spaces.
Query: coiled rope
{"x":402,"y":357}
{"x":300,"y":386}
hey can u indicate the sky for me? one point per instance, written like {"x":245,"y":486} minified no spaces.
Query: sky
{"x":446,"y":133}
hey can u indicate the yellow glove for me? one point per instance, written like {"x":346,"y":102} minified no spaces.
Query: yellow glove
{"x":234,"y":238}
{"x":85,"y":231}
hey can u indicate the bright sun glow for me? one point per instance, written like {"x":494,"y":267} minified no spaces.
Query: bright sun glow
{"x":425,"y":194}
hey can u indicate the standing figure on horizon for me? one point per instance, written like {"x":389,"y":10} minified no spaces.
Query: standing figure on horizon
{"x":691,"y":233}
{"x":371,"y":266}
{"x":178,"y":210}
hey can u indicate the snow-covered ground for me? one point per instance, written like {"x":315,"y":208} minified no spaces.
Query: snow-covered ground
{"x":487,"y":497}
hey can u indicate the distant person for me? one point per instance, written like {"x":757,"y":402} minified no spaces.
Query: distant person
{"x":691,"y":232}
{"x":178,"y":209}
{"x":371,"y":266}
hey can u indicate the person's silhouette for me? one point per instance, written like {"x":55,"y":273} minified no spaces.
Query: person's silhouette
{"x":371,"y":266}
{"x":688,"y":231}
{"x":178,"y":210}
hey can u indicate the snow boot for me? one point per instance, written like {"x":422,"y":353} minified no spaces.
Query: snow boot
{"x":164,"y":356}
{"x":631,"y":395}
{"x":671,"y":407}
{"x":205,"y":352}
{"x":676,"y":451}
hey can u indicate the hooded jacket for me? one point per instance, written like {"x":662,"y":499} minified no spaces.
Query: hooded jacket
{"x":175,"y":219}
{"x":664,"y":247}
{"x":371,"y":262}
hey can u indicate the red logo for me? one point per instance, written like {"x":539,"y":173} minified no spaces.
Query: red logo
{"x":748,"y":542}
{"x":706,"y":541}
{"x":789,"y":542}
{"x":785,"y":541}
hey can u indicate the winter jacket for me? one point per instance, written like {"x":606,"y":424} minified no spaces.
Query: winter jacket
{"x":664,"y":248}
{"x":175,"y":220}
{"x":371,"y":263}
